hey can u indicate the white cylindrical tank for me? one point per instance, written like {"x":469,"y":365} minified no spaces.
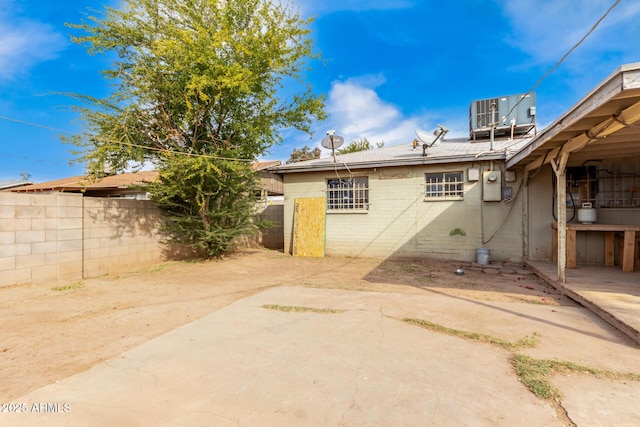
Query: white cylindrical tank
{"x":587,"y":214}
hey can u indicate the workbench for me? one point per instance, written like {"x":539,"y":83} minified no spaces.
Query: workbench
{"x":628,"y":247}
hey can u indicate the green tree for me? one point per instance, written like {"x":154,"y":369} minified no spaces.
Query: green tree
{"x":201,"y":89}
{"x":305,"y":153}
{"x":355,"y":145}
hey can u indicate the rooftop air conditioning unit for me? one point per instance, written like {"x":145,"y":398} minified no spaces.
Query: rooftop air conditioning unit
{"x":500,"y":112}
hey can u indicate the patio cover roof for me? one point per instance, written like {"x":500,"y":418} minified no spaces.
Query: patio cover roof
{"x":603,"y":126}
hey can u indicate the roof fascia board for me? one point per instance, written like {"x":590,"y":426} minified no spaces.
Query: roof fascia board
{"x":390,"y":163}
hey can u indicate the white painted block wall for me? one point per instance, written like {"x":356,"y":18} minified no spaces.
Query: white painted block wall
{"x":400,"y":223}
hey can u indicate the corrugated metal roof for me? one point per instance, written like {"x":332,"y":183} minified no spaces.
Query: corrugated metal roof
{"x":11,"y":183}
{"x":449,"y":151}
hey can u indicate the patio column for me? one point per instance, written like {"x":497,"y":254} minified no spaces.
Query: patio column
{"x":559,"y":169}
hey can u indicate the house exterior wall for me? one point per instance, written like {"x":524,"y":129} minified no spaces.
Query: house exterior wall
{"x":65,"y":237}
{"x":540,"y":218}
{"x":589,"y":246}
{"x":400,"y":223}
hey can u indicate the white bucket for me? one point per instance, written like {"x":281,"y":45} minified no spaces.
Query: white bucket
{"x":482,"y":256}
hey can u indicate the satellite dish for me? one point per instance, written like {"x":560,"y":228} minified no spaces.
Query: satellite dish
{"x":429,"y":141}
{"x":426,"y":138}
{"x":331,"y":142}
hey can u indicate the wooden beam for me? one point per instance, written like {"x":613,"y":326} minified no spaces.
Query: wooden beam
{"x":564,"y":158}
{"x":561,"y":211}
{"x":626,"y":117}
{"x":542,"y":160}
{"x":609,"y":250}
{"x":628,"y":251}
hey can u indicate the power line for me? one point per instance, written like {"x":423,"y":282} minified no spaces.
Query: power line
{"x":552,"y":69}
{"x":10,"y":119}
{"x":32,"y":159}
{"x":129,"y":144}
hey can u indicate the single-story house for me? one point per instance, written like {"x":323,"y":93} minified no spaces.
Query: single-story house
{"x":119,"y":185}
{"x":495,"y":190}
{"x":123,"y":185}
{"x":394,"y":201}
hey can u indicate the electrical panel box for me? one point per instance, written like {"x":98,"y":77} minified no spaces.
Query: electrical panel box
{"x":491,"y":186}
{"x":473,"y":174}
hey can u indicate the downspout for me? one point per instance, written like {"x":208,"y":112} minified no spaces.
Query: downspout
{"x":493,"y":125}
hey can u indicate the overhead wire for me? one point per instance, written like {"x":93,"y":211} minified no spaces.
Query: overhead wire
{"x":552,"y":69}
{"x":53,"y":162}
{"x":129,"y":144}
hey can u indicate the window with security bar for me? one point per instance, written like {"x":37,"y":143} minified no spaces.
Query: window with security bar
{"x":348,"y":194}
{"x":444,"y":186}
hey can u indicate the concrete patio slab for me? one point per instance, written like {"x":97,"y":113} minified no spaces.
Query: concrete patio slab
{"x":251,"y":366}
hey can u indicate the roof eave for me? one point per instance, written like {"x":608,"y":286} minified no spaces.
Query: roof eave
{"x":390,"y":163}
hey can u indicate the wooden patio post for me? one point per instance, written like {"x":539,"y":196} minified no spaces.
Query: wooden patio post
{"x":559,"y":169}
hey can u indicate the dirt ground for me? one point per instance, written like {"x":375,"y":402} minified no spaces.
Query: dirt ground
{"x":54,"y":330}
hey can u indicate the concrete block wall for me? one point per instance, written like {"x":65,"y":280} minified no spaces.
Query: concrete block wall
{"x":120,"y":235}
{"x":400,"y":223}
{"x":66,"y":237}
{"x":40,"y":237}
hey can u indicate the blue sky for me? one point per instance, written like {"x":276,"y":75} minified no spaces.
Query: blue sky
{"x":391,"y":66}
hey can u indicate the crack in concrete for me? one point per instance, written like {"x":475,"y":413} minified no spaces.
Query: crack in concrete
{"x":563,"y":414}
{"x":361,"y":366}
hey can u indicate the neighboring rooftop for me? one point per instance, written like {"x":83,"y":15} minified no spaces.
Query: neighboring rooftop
{"x":6,"y":184}
{"x":81,"y":184}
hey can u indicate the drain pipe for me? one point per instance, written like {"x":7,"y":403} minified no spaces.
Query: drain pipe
{"x":493,"y":123}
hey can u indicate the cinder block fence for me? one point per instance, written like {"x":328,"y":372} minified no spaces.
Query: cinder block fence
{"x":66,"y":237}
{"x":54,"y":237}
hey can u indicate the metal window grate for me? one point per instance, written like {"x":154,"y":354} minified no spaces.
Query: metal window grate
{"x":444,"y":185}
{"x":350,"y":193}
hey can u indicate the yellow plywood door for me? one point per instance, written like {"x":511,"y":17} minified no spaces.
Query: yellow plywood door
{"x":309,"y":227}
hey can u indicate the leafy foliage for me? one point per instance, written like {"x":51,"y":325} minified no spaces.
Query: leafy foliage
{"x":305,"y":153}
{"x":355,"y":146}
{"x":208,"y":203}
{"x":358,"y":145}
{"x":197,"y":78}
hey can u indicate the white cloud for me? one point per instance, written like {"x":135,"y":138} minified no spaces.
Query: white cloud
{"x":25,"y":43}
{"x":547,"y":29}
{"x":357,"y":111}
